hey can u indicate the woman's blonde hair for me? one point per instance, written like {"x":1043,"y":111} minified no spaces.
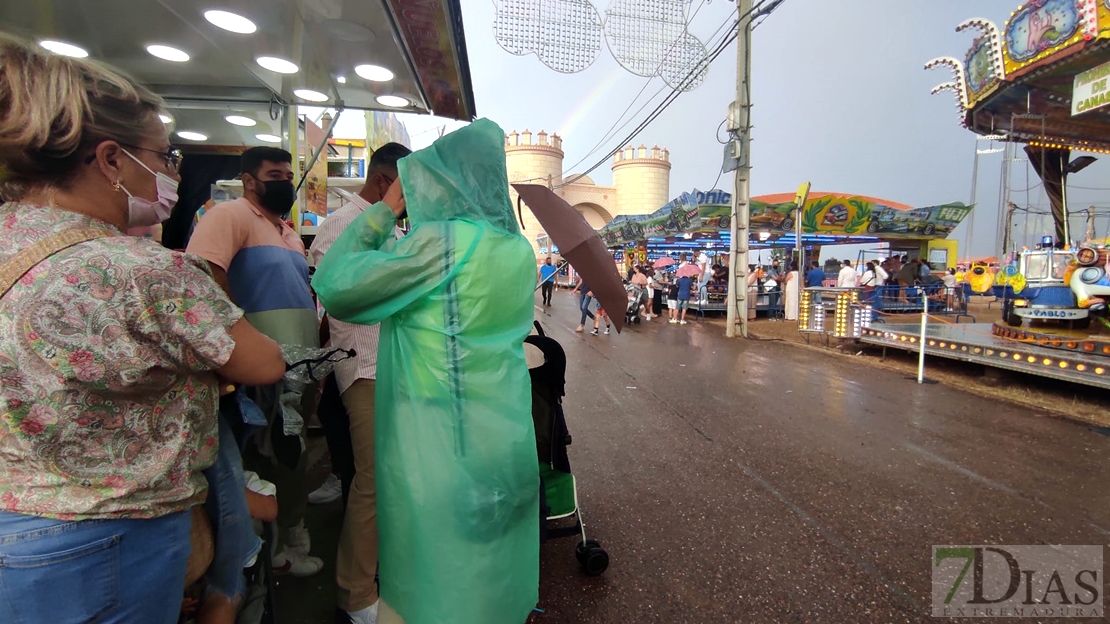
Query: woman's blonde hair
{"x":54,"y":110}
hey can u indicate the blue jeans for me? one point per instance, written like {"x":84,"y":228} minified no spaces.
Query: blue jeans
{"x":103,"y":571}
{"x":236,"y":541}
{"x":584,"y":305}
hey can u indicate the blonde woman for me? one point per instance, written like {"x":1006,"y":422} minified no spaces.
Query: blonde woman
{"x":110,"y":347}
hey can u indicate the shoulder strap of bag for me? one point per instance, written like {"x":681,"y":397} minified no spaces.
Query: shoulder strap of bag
{"x":14,"y":269}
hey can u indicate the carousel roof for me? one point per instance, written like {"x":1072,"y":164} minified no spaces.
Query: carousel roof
{"x":1039,"y":79}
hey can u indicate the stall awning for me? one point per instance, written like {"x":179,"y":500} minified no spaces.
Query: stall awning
{"x":390,"y":55}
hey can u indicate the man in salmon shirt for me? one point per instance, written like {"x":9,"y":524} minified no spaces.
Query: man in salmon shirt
{"x":261,"y":262}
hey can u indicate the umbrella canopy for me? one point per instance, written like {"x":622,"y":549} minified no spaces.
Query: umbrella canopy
{"x":579,"y":245}
{"x":690,"y":270}
{"x":665,"y":261}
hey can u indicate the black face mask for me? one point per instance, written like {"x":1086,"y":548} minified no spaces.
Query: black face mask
{"x":279,"y":196}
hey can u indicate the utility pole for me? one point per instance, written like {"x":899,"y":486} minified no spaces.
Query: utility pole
{"x":740,"y":128}
{"x":971,"y":213}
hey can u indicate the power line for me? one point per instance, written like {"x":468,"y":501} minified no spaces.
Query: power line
{"x":615,"y":128}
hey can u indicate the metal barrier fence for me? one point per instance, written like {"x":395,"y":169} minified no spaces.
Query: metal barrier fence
{"x":900,"y":300}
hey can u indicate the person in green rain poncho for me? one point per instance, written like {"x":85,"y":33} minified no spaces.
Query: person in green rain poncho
{"x":456,"y":466}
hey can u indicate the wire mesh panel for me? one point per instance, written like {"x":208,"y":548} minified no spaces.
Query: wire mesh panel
{"x":564,"y":34}
{"x":651,"y":38}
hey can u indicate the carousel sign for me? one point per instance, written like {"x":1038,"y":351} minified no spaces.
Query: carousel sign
{"x":1091,"y":90}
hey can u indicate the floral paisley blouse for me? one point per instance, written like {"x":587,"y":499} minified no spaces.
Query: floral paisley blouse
{"x":108,"y":401}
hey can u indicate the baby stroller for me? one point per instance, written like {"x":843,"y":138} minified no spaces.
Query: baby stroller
{"x":558,"y":489}
{"x":636,"y":297}
{"x":244,"y":415}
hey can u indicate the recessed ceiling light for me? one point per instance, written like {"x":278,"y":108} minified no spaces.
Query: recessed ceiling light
{"x":268,"y":138}
{"x":341,"y":80}
{"x":374,"y":73}
{"x":310,"y":95}
{"x":240,"y":120}
{"x":231,"y":22}
{"x":274,"y":64}
{"x":166,"y":119}
{"x":65,"y":49}
{"x":167,"y":53}
{"x":393,"y":101}
{"x":192,"y":136}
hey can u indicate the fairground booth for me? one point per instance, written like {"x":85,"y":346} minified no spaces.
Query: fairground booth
{"x":237,"y":74}
{"x":1040,"y":83}
{"x":699,"y":221}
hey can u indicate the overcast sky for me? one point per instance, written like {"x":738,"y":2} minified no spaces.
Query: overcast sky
{"x":840,"y":96}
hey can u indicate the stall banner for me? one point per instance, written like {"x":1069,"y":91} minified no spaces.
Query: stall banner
{"x":860,"y":216}
{"x":822,"y":213}
{"x":1091,"y":90}
{"x":679,"y":216}
{"x":316,"y":179}
{"x":432,"y":36}
{"x":382,"y":128}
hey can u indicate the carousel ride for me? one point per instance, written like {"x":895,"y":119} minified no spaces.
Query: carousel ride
{"x":1042,"y":82}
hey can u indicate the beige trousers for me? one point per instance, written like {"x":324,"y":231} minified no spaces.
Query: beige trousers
{"x":358,"y":541}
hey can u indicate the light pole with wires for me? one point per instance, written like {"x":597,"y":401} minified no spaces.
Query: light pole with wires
{"x":739,"y":127}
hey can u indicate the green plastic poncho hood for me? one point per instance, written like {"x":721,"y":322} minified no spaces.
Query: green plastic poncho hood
{"x":440,"y":187}
{"x":456,"y":467}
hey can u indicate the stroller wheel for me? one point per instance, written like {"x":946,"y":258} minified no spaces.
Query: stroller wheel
{"x":582,"y":548}
{"x":592,"y":557}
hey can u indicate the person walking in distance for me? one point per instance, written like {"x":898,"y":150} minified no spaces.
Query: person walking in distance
{"x":685,"y":286}
{"x":584,"y":297}
{"x":547,"y":280}
{"x":601,"y":314}
{"x":790,"y":287}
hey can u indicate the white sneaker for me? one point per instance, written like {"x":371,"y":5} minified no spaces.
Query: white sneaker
{"x":369,"y":615}
{"x":329,"y":492}
{"x":298,"y":540}
{"x":296,"y":564}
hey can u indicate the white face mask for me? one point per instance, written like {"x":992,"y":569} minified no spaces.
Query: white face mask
{"x":143,"y":212}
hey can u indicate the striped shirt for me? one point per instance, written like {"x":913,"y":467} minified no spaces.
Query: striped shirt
{"x":266,"y":268}
{"x":362,"y":338}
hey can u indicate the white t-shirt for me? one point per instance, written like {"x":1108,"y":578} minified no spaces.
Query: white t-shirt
{"x":703,"y":264}
{"x":881,"y":273}
{"x":949,"y":280}
{"x":868,"y":279}
{"x":847,"y":278}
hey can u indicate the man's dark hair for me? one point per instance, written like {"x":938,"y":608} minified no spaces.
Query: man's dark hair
{"x":385,"y":158}
{"x":255,"y":156}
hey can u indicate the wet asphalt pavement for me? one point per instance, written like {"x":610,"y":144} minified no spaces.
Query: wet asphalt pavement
{"x":747,"y":481}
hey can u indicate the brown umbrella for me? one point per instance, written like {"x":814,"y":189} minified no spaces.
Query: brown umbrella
{"x":580,"y":245}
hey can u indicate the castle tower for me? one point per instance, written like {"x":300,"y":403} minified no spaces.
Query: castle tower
{"x":533,"y":160}
{"x":642,"y":178}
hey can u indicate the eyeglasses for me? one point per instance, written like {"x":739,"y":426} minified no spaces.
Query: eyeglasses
{"x":173,"y":155}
